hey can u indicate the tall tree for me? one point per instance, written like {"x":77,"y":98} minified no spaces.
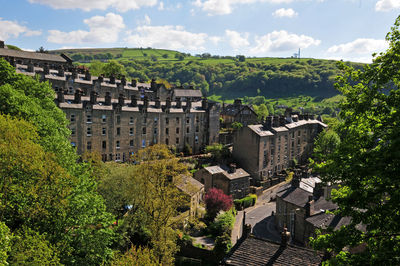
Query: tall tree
{"x":366,"y":163}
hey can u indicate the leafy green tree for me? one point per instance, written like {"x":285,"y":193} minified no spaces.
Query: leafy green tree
{"x":366,"y":163}
{"x":5,"y":243}
{"x":114,"y":68}
{"x":218,"y":151}
{"x":326,"y":143}
{"x":96,"y":67}
{"x":31,"y":248}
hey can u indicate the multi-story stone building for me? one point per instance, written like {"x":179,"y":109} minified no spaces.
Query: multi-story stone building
{"x":117,"y":118}
{"x":266,"y":149}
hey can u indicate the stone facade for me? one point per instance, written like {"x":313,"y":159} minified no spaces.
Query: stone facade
{"x":230,"y":180}
{"x":116,"y":118}
{"x":195,"y":191}
{"x":266,"y":149}
{"x":237,"y":112}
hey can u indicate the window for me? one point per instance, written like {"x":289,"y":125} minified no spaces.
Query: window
{"x":177,"y":130}
{"x":131,"y":120}
{"x":144,"y":120}
{"x":155,"y":131}
{"x":167,"y":141}
{"x":155,"y":120}
{"x":89,"y":131}
{"x":187,"y":120}
{"x":103,"y":131}
{"x":177,"y":140}
{"x":117,"y":144}
{"x":118,"y":157}
{"x":299,"y":133}
{"x":166,"y":120}
{"x":131,"y":143}
{"x":143,"y":143}
{"x":118,"y":131}
{"x":118,"y":119}
{"x":73,"y":131}
{"x":104,"y":144}
{"x":177,"y":120}
{"x":89,"y":145}
{"x":72,"y":118}
{"x":196,"y":139}
{"x":197,"y":129}
{"x":88,"y":118}
{"x":197,"y":119}
{"x":167,"y":131}
{"x":103,"y":118}
{"x":144,"y":130}
{"x":131,"y":131}
{"x":187,"y":130}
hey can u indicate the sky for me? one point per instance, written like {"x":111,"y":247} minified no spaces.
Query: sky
{"x":328,"y":29}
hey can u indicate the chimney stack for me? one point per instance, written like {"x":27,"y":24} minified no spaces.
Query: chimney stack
{"x":112,"y":79}
{"x":268,"y":123}
{"x":107,"y":98}
{"x":153,"y":85}
{"x":178,"y":103}
{"x":88,"y":76}
{"x":168,"y":103}
{"x":78,"y":96}
{"x":93,"y":97}
{"x":188,"y":105}
{"x":282,"y":121}
{"x":60,"y":96}
{"x":121,"y":100}
{"x":232,"y":168}
{"x":101,"y":79}
{"x":310,"y":206}
{"x":237,"y":102}
{"x":46,"y":69}
{"x":74,"y":74}
{"x":133,"y":101}
{"x":31,"y":67}
{"x":275,"y":122}
{"x":134,"y":82}
{"x":146,"y":102}
{"x":158,"y":103}
{"x":2,"y":44}
{"x":61,"y":72}
{"x":123,"y":81}
{"x":285,"y":237}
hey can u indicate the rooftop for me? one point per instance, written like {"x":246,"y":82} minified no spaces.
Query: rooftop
{"x":255,"y":251}
{"x":32,"y":55}
{"x":239,"y":172}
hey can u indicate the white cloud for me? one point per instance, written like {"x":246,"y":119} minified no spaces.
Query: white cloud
{"x":87,"y":5}
{"x":280,"y":41}
{"x":283,"y":12}
{"x":14,"y":29}
{"x":361,"y":46}
{"x":101,"y":30}
{"x":387,"y":5}
{"x":161,"y":6}
{"x":223,"y":7}
{"x":215,"y":39}
{"x":236,"y":41}
{"x":167,"y":37}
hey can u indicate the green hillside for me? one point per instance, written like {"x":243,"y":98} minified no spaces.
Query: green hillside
{"x":224,"y":77}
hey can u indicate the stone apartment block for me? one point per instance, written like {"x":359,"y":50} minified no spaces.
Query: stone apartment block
{"x":230,"y":180}
{"x":116,"y":118}
{"x":266,"y":149}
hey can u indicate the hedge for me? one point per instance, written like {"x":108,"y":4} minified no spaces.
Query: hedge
{"x":245,"y":202}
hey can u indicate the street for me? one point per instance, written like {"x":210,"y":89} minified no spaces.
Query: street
{"x":262,"y":222}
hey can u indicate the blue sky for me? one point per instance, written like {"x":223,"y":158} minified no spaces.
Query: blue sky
{"x":332,"y":29}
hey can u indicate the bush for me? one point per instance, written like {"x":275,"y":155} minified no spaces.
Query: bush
{"x":216,"y":201}
{"x":246,"y":202}
{"x":222,"y":245}
{"x":223,"y":224}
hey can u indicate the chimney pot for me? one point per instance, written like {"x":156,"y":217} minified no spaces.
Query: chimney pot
{"x":134,"y":82}
{"x":204,"y":103}
{"x":178,"y":103}
{"x":78,"y":96}
{"x":133,"y":101}
{"x":112,"y":79}
{"x":232,"y":168}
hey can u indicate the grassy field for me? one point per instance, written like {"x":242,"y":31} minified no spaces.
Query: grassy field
{"x":170,"y":56}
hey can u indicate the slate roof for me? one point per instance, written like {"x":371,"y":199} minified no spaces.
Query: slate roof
{"x":324,"y":220}
{"x":32,"y":55}
{"x":187,"y":93}
{"x":255,"y":251}
{"x":190,"y":185}
{"x":294,"y":195}
{"x":224,"y":170}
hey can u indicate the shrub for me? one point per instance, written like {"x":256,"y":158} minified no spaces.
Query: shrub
{"x":216,"y":201}
{"x":223,"y":224}
{"x":245,"y":202}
